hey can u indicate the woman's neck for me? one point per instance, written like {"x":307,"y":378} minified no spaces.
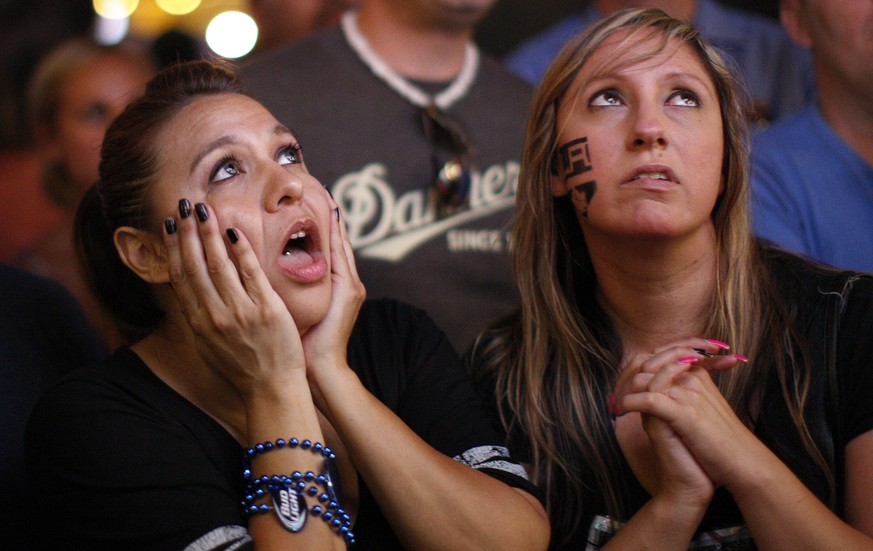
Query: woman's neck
{"x":171,"y":354}
{"x":656,"y":292}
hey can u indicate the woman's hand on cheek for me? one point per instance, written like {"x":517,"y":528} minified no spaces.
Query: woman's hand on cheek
{"x":242,"y":327}
{"x":326,"y":343}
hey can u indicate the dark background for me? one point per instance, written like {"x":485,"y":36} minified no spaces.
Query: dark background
{"x":32,"y":27}
{"x":513,"y":20}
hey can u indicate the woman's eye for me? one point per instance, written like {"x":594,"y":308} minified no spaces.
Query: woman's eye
{"x":227,"y":168}
{"x":684,"y":98}
{"x":606,"y":98}
{"x":290,"y":155}
{"x":96,"y":113}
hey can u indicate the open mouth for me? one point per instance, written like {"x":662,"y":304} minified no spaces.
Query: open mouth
{"x":302,"y":248}
{"x":651,"y":176}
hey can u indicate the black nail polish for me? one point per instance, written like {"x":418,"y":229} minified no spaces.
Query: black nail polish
{"x":200,"y":209}
{"x":170,"y":226}
{"x":184,"y":208}
{"x":336,"y":213}
{"x":231,"y":234}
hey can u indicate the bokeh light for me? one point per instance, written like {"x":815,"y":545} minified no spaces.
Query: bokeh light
{"x":232,"y":34}
{"x":115,"y":9}
{"x":110,"y":31}
{"x":178,"y":7}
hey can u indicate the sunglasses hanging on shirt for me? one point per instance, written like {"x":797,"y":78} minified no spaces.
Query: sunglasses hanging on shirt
{"x":451,"y":151}
{"x":450,"y":157}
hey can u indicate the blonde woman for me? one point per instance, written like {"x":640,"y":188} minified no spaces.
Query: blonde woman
{"x":676,"y":384}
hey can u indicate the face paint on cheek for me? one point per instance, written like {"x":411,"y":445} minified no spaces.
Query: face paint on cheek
{"x":575,"y":157}
{"x":582,"y":195}
{"x":576,"y":160}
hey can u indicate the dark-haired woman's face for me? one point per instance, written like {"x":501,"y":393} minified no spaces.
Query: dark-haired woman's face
{"x":231,"y":153}
{"x":640,"y":146}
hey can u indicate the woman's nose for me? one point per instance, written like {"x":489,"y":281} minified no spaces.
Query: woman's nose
{"x":649,"y":129}
{"x":284,"y":188}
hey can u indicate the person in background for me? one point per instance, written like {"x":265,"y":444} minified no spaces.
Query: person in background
{"x":43,"y":335}
{"x":418,"y":136}
{"x":264,"y":404}
{"x":776,"y":73}
{"x":283,"y":21}
{"x":812,"y":174}
{"x":677,"y":384}
{"x":75,"y":92}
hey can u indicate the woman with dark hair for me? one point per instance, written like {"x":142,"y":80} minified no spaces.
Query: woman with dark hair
{"x":636,"y":267}
{"x":261,"y":402}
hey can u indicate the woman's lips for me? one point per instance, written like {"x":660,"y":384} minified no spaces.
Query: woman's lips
{"x":301,"y":257}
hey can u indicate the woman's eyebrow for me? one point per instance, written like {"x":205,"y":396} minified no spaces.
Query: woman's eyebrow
{"x":212,"y":146}
{"x":280,"y":129}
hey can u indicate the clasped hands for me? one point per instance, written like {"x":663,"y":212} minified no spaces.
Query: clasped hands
{"x":678,"y":432}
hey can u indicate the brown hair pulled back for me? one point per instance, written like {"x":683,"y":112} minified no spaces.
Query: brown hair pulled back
{"x":128,"y":169}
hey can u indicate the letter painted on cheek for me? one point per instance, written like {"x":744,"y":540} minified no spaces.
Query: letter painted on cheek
{"x":575,"y":157}
{"x":576,"y":160}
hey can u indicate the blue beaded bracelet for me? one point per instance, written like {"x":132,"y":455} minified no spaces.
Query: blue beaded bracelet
{"x":288,"y":492}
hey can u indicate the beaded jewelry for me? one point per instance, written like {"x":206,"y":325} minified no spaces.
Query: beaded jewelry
{"x":288,"y":492}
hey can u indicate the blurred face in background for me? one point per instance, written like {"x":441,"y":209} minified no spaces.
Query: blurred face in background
{"x":840,"y":34}
{"x":88,"y":100}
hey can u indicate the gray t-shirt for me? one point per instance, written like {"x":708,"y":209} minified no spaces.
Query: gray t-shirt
{"x":367,"y":144}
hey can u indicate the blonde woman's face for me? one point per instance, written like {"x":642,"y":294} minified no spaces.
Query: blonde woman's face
{"x":640,"y":147}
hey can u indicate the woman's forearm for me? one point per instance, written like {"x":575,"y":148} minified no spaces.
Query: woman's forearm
{"x":431,"y":501}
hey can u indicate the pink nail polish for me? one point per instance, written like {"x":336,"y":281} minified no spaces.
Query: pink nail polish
{"x":722,"y":345}
{"x":688,"y":360}
{"x":740,"y":357}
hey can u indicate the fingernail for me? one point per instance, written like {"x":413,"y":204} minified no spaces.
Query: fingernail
{"x":336,"y":213}
{"x":722,"y":345}
{"x":703,"y":352}
{"x":740,"y":357}
{"x":688,"y":360}
{"x":200,"y":209}
{"x":170,"y":226}
{"x":184,"y":208}
{"x":231,"y":234}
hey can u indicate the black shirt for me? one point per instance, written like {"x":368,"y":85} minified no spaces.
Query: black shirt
{"x":119,"y":460}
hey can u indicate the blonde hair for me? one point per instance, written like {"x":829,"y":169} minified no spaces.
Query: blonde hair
{"x":44,"y":99}
{"x":555,"y":365}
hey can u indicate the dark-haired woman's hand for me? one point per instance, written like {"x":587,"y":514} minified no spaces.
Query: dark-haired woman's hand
{"x":243,"y":328}
{"x":325,"y":345}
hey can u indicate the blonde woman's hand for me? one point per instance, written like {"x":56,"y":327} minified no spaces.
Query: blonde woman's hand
{"x":242,"y":327}
{"x":663,"y":464}
{"x":679,"y":390}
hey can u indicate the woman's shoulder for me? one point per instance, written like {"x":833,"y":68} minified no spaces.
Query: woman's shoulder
{"x":798,"y":275}
{"x":391,"y":335}
{"x":118,"y":390}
